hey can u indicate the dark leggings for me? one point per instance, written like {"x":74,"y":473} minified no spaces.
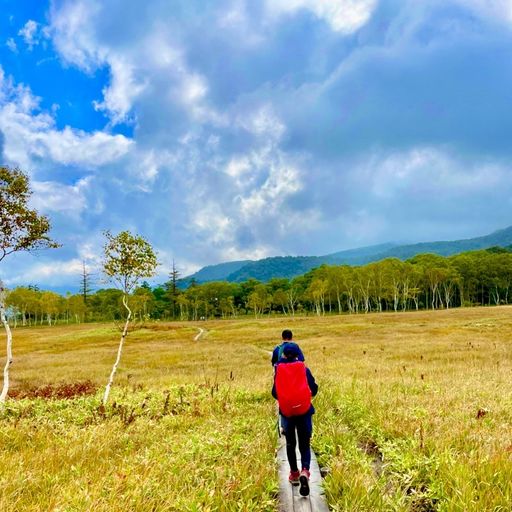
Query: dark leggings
{"x":304,"y":427}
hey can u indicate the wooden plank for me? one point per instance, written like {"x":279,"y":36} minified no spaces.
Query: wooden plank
{"x":285,"y":488}
{"x":317,"y":496}
{"x":289,"y":498}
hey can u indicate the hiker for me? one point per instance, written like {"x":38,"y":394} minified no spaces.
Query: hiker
{"x":294,"y":385}
{"x":287,"y":337}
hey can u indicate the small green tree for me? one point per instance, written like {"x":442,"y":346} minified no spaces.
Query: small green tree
{"x":21,"y":229}
{"x":127,"y":260}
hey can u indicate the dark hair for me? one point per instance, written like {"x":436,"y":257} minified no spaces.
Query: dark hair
{"x":287,"y":335}
{"x":291,"y":350}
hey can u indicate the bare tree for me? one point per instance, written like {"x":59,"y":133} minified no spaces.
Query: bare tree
{"x":127,"y":260}
{"x":21,"y":229}
{"x":85,"y":283}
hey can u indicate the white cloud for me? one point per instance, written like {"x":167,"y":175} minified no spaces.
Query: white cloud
{"x":165,"y":259}
{"x":234,"y":253}
{"x":242,"y":221}
{"x":193,"y":88}
{"x":238,"y":166}
{"x":11,"y":44}
{"x":155,"y":58}
{"x":283,"y":180}
{"x":76,"y":147}
{"x":90,"y":250}
{"x":122,"y":91}
{"x":144,"y":166}
{"x":210,"y":219}
{"x":498,"y":9}
{"x":50,"y":196}
{"x":72,"y":31}
{"x":262,"y":121}
{"x":427,"y":171}
{"x":345,"y":16}
{"x":51,"y":274}
{"x":237,"y":20}
{"x":29,"y":33}
{"x":31,"y":134}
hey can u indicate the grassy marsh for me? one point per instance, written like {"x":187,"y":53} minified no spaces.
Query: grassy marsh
{"x":414,"y":413}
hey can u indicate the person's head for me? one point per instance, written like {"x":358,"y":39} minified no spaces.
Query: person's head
{"x":291,"y":350}
{"x":287,"y":335}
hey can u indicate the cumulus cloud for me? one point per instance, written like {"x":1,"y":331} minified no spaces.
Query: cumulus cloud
{"x":262,"y":121}
{"x":56,"y":273}
{"x":345,"y":16}
{"x":122,"y":91}
{"x":56,"y":197}
{"x":29,"y":33}
{"x":11,"y":44}
{"x":72,"y":32}
{"x":157,"y":60}
{"x":31,"y":134}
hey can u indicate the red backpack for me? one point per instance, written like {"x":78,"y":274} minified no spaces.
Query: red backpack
{"x":292,"y":389}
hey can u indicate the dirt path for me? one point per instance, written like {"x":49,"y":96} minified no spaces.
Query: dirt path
{"x":200,"y":333}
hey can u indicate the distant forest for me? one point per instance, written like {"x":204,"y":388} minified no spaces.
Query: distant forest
{"x":426,"y":281}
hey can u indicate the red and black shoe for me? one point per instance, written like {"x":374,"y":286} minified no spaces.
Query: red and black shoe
{"x":293,"y":477}
{"x":304,"y":482}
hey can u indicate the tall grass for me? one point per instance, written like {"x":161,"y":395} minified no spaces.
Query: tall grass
{"x":413,"y":413}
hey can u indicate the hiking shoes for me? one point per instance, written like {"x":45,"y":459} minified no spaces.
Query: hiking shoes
{"x":304,"y":482}
{"x":293,"y":477}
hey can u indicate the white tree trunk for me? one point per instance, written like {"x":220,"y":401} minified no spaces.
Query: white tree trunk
{"x":119,"y":352}
{"x":8,"y":363}
{"x":338,"y":298}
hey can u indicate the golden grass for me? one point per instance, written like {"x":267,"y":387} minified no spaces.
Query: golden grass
{"x":396,"y":420}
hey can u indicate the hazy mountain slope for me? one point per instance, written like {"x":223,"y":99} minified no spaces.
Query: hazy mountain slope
{"x":278,"y":266}
{"x":356,"y":256}
{"x":501,"y":238}
{"x":291,"y":266}
{"x":218,"y":272}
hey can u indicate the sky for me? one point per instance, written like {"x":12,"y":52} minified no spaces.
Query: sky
{"x":239,"y":129}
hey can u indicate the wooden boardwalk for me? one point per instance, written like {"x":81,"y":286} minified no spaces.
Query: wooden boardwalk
{"x":289,"y":498}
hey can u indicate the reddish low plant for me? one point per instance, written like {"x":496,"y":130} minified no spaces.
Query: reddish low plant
{"x":65,"y":390}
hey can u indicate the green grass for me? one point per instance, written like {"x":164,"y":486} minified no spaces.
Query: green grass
{"x":190,"y":425}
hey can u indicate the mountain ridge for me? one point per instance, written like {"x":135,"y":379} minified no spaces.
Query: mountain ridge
{"x":292,"y":266}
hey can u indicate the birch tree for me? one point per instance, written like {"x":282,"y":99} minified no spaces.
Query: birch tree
{"x":317,"y":290}
{"x":21,"y":229}
{"x":292,"y":295}
{"x":126,"y":260}
{"x":259,"y":299}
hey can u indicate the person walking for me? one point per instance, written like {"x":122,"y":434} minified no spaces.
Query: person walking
{"x":294,"y":386}
{"x":287,"y":337}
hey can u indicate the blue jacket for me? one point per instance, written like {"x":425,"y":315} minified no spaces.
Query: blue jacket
{"x":275,"y":353}
{"x":313,"y":386}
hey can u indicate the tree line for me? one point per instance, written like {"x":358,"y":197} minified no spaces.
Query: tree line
{"x":427,"y":281}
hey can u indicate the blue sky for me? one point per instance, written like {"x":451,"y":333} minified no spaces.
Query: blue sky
{"x":231,"y":129}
